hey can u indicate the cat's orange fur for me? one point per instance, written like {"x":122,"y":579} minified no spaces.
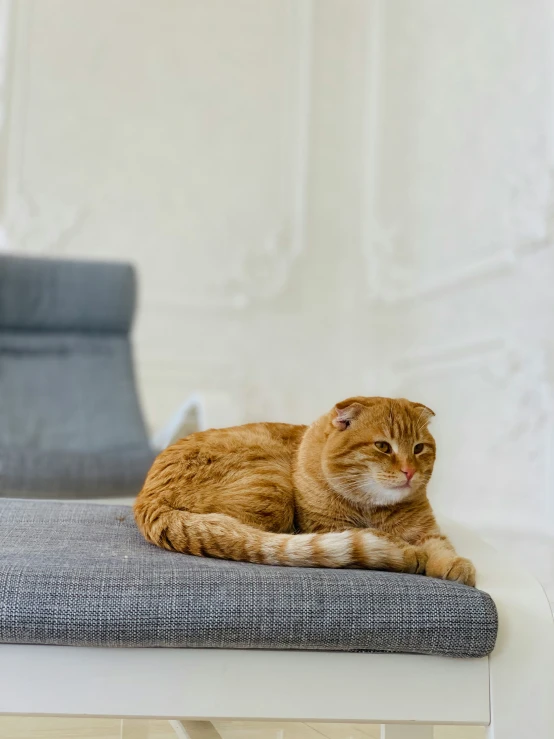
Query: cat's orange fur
{"x":323,"y":495}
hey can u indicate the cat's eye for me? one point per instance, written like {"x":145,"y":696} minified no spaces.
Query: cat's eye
{"x":418,"y":448}
{"x":383,"y":446}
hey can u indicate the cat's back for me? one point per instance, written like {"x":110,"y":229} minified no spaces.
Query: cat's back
{"x":208,"y":464}
{"x":273,"y":438}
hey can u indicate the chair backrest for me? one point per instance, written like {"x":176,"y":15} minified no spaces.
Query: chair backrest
{"x":66,"y":370}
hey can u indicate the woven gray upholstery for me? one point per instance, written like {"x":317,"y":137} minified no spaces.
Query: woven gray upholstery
{"x":71,"y":474}
{"x":66,"y":295}
{"x":70,"y":421}
{"x":80,"y":574}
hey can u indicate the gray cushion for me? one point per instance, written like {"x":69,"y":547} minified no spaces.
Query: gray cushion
{"x":78,"y":574}
{"x":70,"y":420}
{"x":71,"y":474}
{"x":66,"y":295}
{"x":70,"y":392}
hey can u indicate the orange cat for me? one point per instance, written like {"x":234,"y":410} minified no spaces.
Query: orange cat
{"x":347,"y":491}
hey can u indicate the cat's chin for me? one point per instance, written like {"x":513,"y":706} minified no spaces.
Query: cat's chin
{"x":379,"y":495}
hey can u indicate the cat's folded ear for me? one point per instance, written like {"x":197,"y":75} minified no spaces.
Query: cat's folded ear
{"x":425,"y":413}
{"x":345,"y":413}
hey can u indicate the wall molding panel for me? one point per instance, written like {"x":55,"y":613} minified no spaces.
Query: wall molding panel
{"x":393,"y":274}
{"x":35,"y":222}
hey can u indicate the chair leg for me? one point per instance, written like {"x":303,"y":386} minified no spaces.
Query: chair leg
{"x":406,"y":731}
{"x":194,"y":730}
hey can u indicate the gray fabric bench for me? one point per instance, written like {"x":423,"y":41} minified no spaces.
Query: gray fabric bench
{"x":81,"y":575}
{"x":70,"y":419}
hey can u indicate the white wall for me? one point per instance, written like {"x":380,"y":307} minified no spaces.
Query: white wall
{"x":323,"y":198}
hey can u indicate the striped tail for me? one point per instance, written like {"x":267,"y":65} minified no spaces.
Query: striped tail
{"x":224,"y":537}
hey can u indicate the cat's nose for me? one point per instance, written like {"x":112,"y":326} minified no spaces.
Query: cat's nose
{"x":409,"y":472}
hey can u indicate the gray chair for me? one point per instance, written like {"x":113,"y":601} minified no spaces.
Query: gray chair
{"x":70,"y":420}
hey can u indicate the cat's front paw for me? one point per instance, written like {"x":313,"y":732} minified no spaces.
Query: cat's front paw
{"x":462,"y":570}
{"x":415,"y":560}
{"x":455,"y":568}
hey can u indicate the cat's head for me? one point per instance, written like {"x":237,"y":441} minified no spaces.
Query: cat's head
{"x":379,"y":450}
